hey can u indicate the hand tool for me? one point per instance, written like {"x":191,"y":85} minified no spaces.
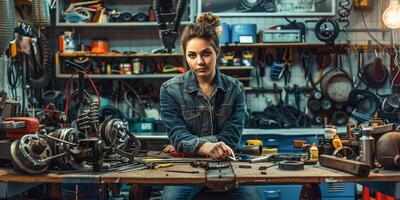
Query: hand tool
{"x":349,"y":166}
{"x":259,"y":159}
{"x":185,"y":172}
{"x":266,"y":167}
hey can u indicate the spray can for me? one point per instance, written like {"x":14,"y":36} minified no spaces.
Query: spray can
{"x":367,"y":148}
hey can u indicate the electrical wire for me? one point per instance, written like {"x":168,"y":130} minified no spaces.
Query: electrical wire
{"x":367,"y":29}
{"x":136,"y":95}
{"x":14,"y":76}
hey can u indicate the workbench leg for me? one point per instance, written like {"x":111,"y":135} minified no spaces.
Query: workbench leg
{"x":310,"y":191}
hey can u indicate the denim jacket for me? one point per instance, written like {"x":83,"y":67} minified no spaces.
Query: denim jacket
{"x":191,"y":119}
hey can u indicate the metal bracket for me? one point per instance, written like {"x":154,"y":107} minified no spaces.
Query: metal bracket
{"x":220,"y":176}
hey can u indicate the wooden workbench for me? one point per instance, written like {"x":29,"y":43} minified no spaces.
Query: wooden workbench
{"x":311,"y":174}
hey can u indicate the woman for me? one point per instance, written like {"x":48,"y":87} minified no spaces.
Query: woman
{"x":203,"y":110}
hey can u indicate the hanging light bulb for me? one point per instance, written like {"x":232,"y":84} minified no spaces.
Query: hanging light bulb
{"x":391,"y":16}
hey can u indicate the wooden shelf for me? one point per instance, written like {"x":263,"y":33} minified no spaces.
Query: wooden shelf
{"x":278,"y":45}
{"x":122,"y":76}
{"x":85,"y":54}
{"x":233,"y":68}
{"x":112,"y":24}
{"x":244,"y":78}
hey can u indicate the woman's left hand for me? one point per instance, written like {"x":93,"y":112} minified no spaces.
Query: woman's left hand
{"x":169,"y":149}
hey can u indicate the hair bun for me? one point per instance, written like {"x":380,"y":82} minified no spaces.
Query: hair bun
{"x":208,"y":18}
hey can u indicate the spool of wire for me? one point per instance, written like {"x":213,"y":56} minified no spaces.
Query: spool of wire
{"x":40,"y":13}
{"x":6,"y":24}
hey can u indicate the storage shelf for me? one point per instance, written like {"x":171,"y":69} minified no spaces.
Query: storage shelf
{"x":85,"y":54}
{"x":122,"y":76}
{"x":112,"y":24}
{"x":233,"y":68}
{"x":317,"y":44}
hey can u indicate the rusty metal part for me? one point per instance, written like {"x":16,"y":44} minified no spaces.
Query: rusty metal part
{"x":220,"y":179}
{"x":29,"y":154}
{"x":344,"y":152}
{"x":291,"y":165}
{"x":245,"y":166}
{"x":255,"y":150}
{"x":349,"y":166}
{"x":299,"y":143}
{"x":388,"y":150}
{"x":381,"y":129}
{"x":332,"y":82}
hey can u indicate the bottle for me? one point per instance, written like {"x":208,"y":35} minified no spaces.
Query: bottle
{"x":336,"y":142}
{"x":367,"y":148}
{"x":314,"y":152}
{"x":329,"y":132}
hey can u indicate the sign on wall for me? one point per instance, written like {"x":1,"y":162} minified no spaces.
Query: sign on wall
{"x":273,"y":8}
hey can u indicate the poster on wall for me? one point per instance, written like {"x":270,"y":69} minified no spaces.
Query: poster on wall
{"x":273,"y":8}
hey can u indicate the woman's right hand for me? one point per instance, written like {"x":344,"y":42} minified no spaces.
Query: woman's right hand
{"x":217,"y":150}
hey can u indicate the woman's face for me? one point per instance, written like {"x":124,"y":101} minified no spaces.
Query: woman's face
{"x":201,"y":58}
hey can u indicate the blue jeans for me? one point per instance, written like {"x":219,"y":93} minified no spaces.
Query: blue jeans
{"x":189,"y":192}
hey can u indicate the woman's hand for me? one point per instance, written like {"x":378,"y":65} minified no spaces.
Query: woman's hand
{"x":169,"y":149}
{"x":217,"y":150}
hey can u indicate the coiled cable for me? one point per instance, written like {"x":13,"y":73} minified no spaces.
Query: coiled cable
{"x":344,"y":12}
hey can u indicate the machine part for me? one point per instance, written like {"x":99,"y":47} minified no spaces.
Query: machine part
{"x":326,"y":104}
{"x":71,"y":136}
{"x":381,"y":129}
{"x":88,"y":120}
{"x":291,"y":165}
{"x":281,"y":36}
{"x":220,"y":176}
{"x":252,"y":150}
{"x":29,"y":154}
{"x":327,"y":30}
{"x":388,"y":150}
{"x":364,"y":101}
{"x":93,"y":151}
{"x":344,"y":152}
{"x":349,"y":166}
{"x":339,"y":118}
{"x":169,"y":21}
{"x":140,"y":17}
{"x":118,"y":139}
{"x":367,"y":148}
{"x":314,"y":105}
{"x":337,"y":86}
{"x":12,"y":126}
{"x":375,"y":73}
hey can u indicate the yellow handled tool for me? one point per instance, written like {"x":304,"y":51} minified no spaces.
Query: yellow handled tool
{"x":165,"y":165}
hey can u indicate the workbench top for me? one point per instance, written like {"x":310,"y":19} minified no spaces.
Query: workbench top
{"x":311,"y":174}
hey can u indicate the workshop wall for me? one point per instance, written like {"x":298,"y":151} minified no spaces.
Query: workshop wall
{"x":146,"y":39}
